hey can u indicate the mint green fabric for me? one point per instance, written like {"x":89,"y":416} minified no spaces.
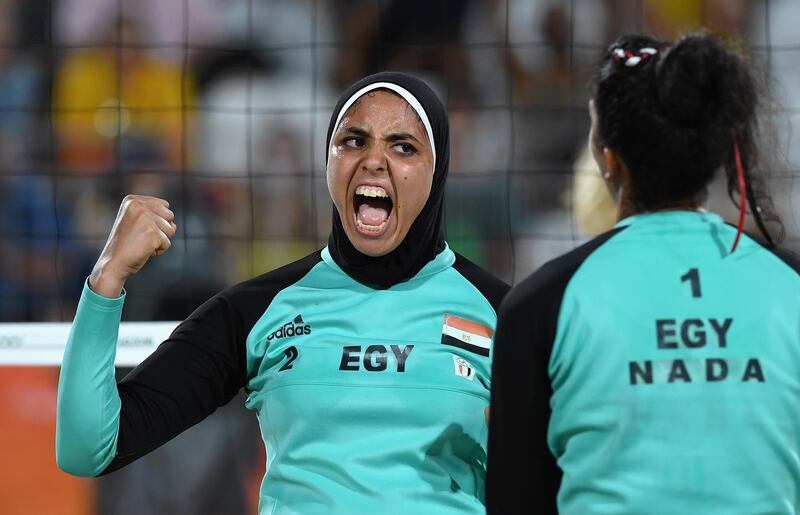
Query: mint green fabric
{"x":396,"y":426}
{"x":87,"y":421}
{"x":360,"y":441}
{"x":684,"y":438}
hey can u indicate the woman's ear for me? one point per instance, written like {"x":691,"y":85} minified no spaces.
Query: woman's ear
{"x":617,"y":177}
{"x":615,"y":172}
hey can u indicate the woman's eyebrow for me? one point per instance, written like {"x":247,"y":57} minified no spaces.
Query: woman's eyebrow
{"x":358,"y":131}
{"x":397,"y":136}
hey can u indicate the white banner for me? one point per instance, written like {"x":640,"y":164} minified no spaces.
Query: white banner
{"x":43,"y":343}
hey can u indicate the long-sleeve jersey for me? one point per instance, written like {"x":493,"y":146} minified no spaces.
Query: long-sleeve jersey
{"x":369,"y":401}
{"x":650,"y":371}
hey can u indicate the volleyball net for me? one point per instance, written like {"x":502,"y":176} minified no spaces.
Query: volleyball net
{"x":223,"y":113}
{"x":222,"y":110}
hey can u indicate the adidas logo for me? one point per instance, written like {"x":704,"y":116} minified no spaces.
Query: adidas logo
{"x":294,"y":328}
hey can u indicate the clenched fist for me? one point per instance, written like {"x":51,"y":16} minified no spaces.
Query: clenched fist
{"x":143,"y":228}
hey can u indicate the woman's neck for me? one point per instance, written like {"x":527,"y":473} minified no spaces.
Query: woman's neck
{"x":626,"y":208}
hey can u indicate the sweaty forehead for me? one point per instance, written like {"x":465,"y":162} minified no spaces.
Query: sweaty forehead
{"x":406,"y":95}
{"x":383,"y":112}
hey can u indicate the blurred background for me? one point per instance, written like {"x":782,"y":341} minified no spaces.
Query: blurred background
{"x":221,"y":107}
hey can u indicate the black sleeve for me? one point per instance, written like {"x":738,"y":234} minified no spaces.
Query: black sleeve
{"x":201,"y":366}
{"x":492,"y":288}
{"x":522,"y":473}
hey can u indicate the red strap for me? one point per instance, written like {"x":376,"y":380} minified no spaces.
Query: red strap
{"x":742,"y":194}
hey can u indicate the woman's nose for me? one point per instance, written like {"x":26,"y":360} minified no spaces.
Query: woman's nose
{"x":375,"y":159}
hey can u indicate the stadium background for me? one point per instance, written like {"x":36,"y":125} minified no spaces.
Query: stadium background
{"x":221,"y":106}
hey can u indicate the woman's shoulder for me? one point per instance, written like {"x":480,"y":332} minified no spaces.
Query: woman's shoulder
{"x":788,"y":257}
{"x":256,"y":294}
{"x":548,"y":283}
{"x":492,"y":288}
{"x":275,"y":280}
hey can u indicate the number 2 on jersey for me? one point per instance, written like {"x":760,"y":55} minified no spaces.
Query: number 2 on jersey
{"x":291,"y":355}
{"x":693,"y":276}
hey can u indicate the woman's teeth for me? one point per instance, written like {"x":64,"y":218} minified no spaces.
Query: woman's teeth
{"x":371,"y":191}
{"x":370,"y":228}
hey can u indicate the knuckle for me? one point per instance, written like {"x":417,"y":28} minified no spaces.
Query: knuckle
{"x":134,"y":206}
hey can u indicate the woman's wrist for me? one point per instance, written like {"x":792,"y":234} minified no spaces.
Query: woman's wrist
{"x":105,"y":280}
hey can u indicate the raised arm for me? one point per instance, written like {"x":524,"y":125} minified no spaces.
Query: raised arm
{"x":102,"y":426}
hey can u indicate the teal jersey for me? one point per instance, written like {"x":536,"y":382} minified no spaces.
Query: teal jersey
{"x":651,"y":371}
{"x":369,"y":400}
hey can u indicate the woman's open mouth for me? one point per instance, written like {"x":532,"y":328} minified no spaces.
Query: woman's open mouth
{"x":373,"y":207}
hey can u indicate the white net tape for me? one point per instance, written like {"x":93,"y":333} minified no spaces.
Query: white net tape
{"x":43,"y":343}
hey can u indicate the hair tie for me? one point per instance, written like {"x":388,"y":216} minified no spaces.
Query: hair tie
{"x":629,"y":58}
{"x":742,"y":194}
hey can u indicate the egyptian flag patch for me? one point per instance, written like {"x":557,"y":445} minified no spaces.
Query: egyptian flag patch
{"x":467,"y":335}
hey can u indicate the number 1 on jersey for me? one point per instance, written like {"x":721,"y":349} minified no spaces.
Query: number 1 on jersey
{"x":693,"y":276}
